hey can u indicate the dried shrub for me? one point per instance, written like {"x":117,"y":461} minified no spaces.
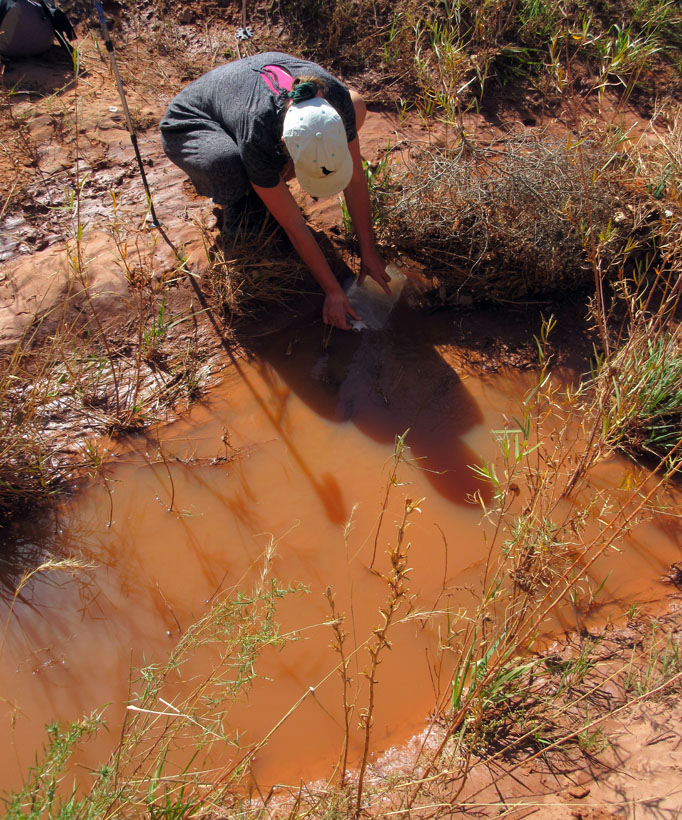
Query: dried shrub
{"x":508,"y":221}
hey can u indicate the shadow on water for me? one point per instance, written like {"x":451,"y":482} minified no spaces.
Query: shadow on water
{"x":384,"y":382}
{"x":25,"y":544}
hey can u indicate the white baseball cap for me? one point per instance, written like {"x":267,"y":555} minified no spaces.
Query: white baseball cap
{"x":316,"y":141}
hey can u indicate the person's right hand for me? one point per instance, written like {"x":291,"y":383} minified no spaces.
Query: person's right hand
{"x":336,"y":309}
{"x":374,"y":266}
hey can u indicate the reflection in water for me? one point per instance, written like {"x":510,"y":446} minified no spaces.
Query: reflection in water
{"x":384,"y":383}
{"x":26,"y":544}
{"x":295,"y":446}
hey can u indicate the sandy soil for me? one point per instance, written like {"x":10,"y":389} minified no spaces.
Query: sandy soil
{"x":632,"y":770}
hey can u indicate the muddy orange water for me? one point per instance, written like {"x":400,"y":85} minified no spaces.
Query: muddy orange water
{"x":295,"y":446}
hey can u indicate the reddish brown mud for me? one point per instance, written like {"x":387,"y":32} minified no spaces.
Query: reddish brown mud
{"x":295,"y":447}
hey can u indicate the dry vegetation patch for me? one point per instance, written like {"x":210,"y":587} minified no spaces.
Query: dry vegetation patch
{"x":508,"y":221}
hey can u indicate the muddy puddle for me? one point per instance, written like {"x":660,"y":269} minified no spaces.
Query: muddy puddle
{"x":295,"y":448}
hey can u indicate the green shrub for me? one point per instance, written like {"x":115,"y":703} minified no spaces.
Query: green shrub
{"x":643,"y":411}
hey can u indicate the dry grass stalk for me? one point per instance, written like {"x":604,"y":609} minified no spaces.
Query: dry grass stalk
{"x":397,"y":598}
{"x":339,"y":641}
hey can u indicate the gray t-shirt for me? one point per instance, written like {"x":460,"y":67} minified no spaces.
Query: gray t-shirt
{"x":237,"y":97}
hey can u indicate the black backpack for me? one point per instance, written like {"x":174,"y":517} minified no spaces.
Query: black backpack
{"x":55,"y":17}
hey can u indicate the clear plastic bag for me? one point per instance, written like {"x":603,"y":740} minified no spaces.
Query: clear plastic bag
{"x":372,"y":305}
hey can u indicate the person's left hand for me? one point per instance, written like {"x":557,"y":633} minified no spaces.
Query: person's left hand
{"x":374,"y":266}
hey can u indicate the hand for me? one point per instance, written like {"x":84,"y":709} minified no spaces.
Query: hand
{"x":336,"y":309}
{"x":374,"y":265}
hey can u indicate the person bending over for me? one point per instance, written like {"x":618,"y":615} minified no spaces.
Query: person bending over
{"x":253,"y":124}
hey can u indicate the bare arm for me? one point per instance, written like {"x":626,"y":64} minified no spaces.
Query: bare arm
{"x":283,"y":207}
{"x":357,"y":202}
